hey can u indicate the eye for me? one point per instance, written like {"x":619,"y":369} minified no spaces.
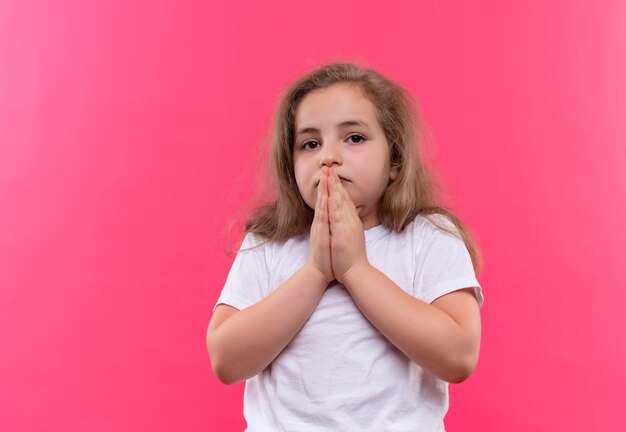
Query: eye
{"x":306,"y":144}
{"x":360,"y":138}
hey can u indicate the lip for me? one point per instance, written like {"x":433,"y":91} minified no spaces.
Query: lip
{"x":340,"y":178}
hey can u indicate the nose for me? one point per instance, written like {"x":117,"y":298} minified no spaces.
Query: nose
{"x":330,"y":155}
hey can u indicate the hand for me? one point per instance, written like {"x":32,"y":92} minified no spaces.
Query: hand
{"x":347,"y":238}
{"x":319,"y":258}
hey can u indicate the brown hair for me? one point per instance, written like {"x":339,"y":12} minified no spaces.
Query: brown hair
{"x":413,"y":192}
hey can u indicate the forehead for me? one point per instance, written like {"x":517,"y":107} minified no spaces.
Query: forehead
{"x":332,"y":105}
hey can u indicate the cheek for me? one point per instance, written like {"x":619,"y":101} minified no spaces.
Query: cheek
{"x":377,"y":180}
{"x":297,"y":173}
{"x":303,"y":181}
{"x":375,"y":172}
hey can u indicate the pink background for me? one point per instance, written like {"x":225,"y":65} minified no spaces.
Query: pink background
{"x":128,"y":136}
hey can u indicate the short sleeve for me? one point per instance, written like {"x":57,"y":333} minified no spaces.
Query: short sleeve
{"x":248,"y":278}
{"x":444,"y":264}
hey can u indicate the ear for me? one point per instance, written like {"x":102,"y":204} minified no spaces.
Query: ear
{"x":393,"y":173}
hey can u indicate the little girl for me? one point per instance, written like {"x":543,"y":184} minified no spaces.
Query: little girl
{"x":353,"y":301}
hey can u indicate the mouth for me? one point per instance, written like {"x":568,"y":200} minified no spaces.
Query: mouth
{"x":340,"y":178}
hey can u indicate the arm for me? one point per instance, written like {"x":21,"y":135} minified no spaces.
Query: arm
{"x":243,"y":344}
{"x":246,"y":342}
{"x":442,"y":337}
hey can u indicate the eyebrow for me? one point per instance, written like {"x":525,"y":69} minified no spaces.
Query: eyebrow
{"x":341,"y":125}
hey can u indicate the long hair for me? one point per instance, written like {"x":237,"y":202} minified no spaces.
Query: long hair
{"x":413,"y":192}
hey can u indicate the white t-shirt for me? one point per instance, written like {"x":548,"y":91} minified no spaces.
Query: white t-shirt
{"x":339,"y":373}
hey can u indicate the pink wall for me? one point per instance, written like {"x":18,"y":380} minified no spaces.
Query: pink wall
{"x":128,"y":135}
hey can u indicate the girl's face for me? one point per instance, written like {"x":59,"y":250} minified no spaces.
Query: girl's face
{"x":337,"y":127}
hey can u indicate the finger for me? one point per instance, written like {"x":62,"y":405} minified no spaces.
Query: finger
{"x":318,"y":214}
{"x":332,"y":201}
{"x":324,"y":225}
{"x":334,"y":212}
{"x":323,"y":185}
{"x":344,"y":199}
{"x":332,"y":183}
{"x":336,"y":193}
{"x":324,"y":213}
{"x":319,"y":189}
{"x":343,"y":193}
{"x":318,"y":203}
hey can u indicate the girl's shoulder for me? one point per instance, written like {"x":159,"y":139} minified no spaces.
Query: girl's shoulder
{"x":252,"y":239}
{"x":428,"y":224}
{"x":255,"y":241}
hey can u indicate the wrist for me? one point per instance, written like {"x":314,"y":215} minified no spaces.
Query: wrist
{"x":356,"y":272}
{"x":314,"y":274}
